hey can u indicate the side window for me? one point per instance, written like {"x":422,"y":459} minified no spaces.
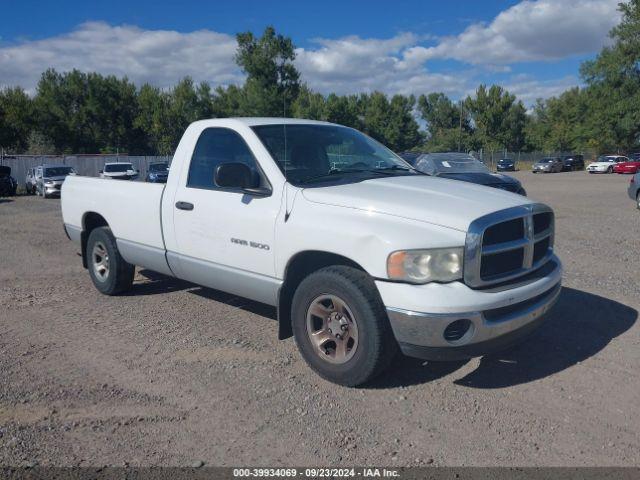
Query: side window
{"x":214,"y":147}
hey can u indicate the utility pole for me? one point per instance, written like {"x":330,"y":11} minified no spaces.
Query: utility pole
{"x":460,"y":129}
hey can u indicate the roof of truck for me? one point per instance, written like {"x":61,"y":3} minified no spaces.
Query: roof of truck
{"x":253,"y":121}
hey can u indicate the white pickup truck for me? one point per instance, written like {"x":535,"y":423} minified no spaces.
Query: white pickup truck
{"x":361,"y":254}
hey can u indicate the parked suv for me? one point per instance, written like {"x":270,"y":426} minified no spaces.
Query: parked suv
{"x":157,"y":172}
{"x":8,"y":184}
{"x":119,"y":171}
{"x":572,"y":162}
{"x":49,"y":179}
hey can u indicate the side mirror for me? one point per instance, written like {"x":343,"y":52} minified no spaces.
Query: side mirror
{"x":240,"y":176}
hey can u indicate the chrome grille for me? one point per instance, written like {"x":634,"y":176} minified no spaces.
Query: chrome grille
{"x":507,"y":244}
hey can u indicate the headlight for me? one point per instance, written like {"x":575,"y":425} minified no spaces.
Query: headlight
{"x":423,"y":266}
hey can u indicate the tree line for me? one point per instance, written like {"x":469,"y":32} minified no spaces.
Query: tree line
{"x":76,"y":112}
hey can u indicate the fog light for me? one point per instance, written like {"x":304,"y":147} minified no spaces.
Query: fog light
{"x":458,"y":330}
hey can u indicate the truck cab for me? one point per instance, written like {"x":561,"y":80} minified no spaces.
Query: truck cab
{"x":362,"y":255}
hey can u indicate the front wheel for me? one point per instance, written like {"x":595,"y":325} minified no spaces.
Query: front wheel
{"x":610,"y":170}
{"x":341,"y":326}
{"x":110,"y":273}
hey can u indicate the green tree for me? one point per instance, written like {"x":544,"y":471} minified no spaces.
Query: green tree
{"x":16,"y":119}
{"x":446,"y":130}
{"x":309,"y":104}
{"x":273,"y":82}
{"x":498,"y":117}
{"x":613,"y":85}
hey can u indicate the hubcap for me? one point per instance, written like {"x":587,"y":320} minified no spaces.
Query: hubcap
{"x":332,"y":329}
{"x":100,"y":261}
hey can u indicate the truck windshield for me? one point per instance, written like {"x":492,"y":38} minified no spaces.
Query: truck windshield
{"x":57,"y":171}
{"x":118,"y":167}
{"x":309,"y":154}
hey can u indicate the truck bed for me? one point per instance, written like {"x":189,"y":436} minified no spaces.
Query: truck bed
{"x":132,"y":209}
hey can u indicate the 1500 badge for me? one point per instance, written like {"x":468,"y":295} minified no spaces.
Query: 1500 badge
{"x":261,"y":246}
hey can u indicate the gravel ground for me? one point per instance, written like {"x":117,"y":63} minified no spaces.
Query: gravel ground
{"x":175,"y":374}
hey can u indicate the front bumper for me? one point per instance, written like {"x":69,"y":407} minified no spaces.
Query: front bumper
{"x":420,"y":314}
{"x":53,"y":189}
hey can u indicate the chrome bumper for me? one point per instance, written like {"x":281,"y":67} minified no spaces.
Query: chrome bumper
{"x":422,"y":335}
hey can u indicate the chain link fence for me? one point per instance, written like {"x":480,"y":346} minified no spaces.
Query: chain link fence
{"x":524,"y":160}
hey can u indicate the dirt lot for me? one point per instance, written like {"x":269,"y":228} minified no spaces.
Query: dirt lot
{"x":174,"y":374}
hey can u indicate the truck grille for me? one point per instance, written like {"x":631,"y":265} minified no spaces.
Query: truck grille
{"x":507,"y":244}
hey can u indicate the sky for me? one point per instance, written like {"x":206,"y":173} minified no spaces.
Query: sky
{"x":533,"y":48}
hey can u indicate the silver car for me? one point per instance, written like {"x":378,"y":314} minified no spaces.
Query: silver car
{"x":49,"y":179}
{"x":548,"y":165}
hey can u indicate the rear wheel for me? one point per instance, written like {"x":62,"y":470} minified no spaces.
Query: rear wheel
{"x":110,"y":273}
{"x":610,"y":170}
{"x":341,"y":327}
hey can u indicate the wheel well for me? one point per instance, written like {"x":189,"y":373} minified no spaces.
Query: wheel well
{"x":299,"y":267}
{"x":90,"y":221}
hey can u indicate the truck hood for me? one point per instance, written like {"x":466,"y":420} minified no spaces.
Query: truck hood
{"x":438,"y":201}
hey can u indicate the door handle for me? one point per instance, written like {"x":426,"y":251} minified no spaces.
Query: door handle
{"x":184,"y":206}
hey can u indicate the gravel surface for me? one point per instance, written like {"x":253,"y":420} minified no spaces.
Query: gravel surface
{"x":175,"y":374}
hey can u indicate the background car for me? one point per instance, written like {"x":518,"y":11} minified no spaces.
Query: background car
{"x":410,"y":157}
{"x":49,"y":179}
{"x":634,"y":189}
{"x":461,"y":166}
{"x":119,"y":171}
{"x":506,"y":165}
{"x":605,"y":163}
{"x":8,"y":184}
{"x":572,"y":162}
{"x":158,"y":172}
{"x":631,"y":166}
{"x":30,"y":181}
{"x":547,"y":165}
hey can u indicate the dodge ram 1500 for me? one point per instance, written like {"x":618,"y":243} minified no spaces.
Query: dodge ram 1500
{"x":361,"y":254}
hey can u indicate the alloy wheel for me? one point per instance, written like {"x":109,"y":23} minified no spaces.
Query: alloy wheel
{"x":332,"y":329}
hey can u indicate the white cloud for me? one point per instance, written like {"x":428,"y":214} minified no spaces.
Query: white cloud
{"x":529,"y":89}
{"x":353,"y":64}
{"x":539,"y":30}
{"x":160,"y":57}
{"x":530,"y":31}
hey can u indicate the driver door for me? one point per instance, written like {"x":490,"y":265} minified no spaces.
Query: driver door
{"x":225,"y":237}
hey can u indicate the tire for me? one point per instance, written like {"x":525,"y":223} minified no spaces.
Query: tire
{"x":110,"y":273}
{"x":368,"y":343}
{"x":610,"y":170}
{"x":638,"y":200}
